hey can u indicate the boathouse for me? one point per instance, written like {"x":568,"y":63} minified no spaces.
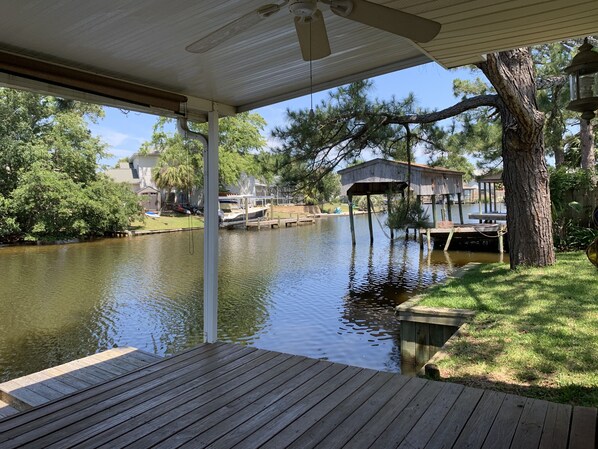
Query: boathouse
{"x":386,"y":177}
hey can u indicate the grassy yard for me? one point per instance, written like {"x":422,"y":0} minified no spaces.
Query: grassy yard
{"x":163,"y":223}
{"x":535,"y":332}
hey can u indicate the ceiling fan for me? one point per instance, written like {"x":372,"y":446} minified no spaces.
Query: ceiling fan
{"x":311,"y":30}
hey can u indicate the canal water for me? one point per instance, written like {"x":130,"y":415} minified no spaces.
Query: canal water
{"x":299,"y":290}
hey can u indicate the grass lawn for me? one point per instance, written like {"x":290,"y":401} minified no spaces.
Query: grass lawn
{"x":535,"y":332}
{"x":163,"y":223}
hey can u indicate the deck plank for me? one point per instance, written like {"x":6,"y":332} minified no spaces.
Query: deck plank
{"x":6,"y":410}
{"x":43,"y":386}
{"x":268,"y":414}
{"x":420,"y":433}
{"x":409,"y":416}
{"x":331,"y":422}
{"x":386,"y":414}
{"x":65,"y":427}
{"x":503,"y":429}
{"x":184,"y":417}
{"x":556,"y":427}
{"x":273,"y":419}
{"x":74,"y":404}
{"x":529,"y":430}
{"x":351,"y":425}
{"x":475,"y":431}
{"x":224,"y":395}
{"x":583,"y":428}
{"x":450,"y":428}
{"x":301,"y":424}
{"x":194,"y":386}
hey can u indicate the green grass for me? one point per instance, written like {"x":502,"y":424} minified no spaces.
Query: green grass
{"x":535,"y":332}
{"x":164,"y":223}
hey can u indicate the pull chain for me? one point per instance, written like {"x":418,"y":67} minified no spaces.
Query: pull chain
{"x":311,"y":77}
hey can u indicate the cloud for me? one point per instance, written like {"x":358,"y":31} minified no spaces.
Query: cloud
{"x":115,"y":138}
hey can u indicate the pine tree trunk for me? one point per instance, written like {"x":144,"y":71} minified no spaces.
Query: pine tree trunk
{"x":527,"y":196}
{"x":559,"y":156}
{"x":525,"y":174}
{"x":588,"y":155}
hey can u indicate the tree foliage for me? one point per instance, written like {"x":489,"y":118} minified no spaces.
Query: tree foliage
{"x":49,"y":186}
{"x":180,"y":165}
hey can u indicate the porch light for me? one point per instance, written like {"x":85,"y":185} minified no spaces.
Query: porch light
{"x":583,"y":81}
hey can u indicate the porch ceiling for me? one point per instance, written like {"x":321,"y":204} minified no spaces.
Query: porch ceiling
{"x":144,"y":42}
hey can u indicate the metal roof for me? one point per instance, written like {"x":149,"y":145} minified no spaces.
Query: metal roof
{"x":144,"y":42}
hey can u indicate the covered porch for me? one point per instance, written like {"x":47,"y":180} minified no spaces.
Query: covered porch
{"x":132,"y":55}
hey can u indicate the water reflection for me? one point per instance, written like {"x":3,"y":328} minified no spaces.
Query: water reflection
{"x":303,"y":290}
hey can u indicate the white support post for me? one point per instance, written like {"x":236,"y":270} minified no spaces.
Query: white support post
{"x":210,"y":252}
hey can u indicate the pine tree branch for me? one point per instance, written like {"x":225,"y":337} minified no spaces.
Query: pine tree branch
{"x":452,"y":111}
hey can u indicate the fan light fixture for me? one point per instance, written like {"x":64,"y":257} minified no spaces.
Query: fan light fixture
{"x":583,"y":81}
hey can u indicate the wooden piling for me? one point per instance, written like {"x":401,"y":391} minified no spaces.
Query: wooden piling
{"x":460,"y":203}
{"x":246,"y":211}
{"x":448,"y":207}
{"x":433,"y":211}
{"x":351,"y":220}
{"x":429,"y":237}
{"x":388,"y":202}
{"x":448,"y":240}
{"x":369,"y":201}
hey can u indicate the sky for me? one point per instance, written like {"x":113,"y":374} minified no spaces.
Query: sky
{"x":123,"y":133}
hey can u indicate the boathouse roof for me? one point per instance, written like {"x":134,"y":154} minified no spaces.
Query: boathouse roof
{"x":379,"y":176}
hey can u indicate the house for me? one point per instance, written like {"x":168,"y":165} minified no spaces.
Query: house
{"x":137,"y":174}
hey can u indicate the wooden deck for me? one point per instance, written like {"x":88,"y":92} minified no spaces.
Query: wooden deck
{"x":44,"y":386}
{"x":223,"y":396}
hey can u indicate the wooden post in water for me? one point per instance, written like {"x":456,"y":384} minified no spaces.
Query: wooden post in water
{"x":246,"y":212}
{"x":351,"y":219}
{"x":480,"y":199}
{"x":433,"y":211}
{"x":369,"y":201}
{"x":448,"y":207}
{"x":459,"y":202}
{"x":388,"y":199}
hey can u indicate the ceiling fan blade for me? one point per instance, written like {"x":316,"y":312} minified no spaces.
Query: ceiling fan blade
{"x":388,"y":19}
{"x":312,"y":36}
{"x":235,"y":27}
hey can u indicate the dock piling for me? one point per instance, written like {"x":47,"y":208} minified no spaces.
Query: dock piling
{"x":351,"y":220}
{"x":369,"y":201}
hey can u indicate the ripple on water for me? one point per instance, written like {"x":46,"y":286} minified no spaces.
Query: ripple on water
{"x":303,"y":290}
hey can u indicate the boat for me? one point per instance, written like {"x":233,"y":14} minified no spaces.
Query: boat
{"x":152,"y":214}
{"x":231,"y":210}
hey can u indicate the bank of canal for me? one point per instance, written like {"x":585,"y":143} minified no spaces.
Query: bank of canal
{"x":299,"y":290}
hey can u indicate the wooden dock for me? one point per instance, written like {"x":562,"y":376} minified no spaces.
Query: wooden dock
{"x":44,"y":386}
{"x":271,"y":224}
{"x":464,"y":232}
{"x":223,"y":396}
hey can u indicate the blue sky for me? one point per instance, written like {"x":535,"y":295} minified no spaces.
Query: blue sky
{"x":432,"y":85}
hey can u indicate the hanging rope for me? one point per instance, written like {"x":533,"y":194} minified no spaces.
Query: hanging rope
{"x":382,"y":227}
{"x":191,"y":242}
{"x":408,"y":148}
